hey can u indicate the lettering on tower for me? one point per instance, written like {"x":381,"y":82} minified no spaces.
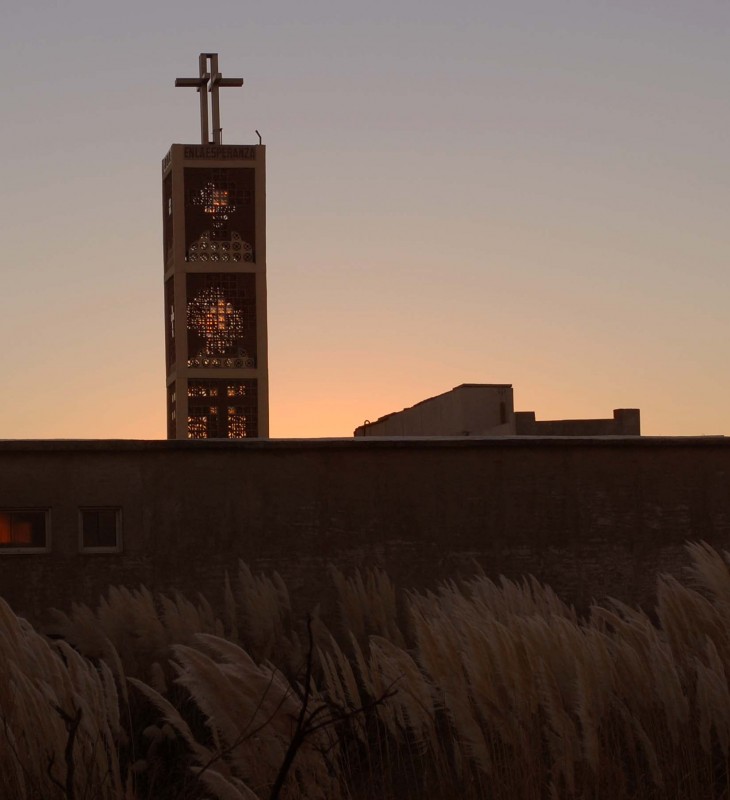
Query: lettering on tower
{"x":221,"y":153}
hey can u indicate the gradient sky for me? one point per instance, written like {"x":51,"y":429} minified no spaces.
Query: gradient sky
{"x":533,"y":192}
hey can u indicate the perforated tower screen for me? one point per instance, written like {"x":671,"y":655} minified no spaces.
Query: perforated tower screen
{"x":214,"y":249}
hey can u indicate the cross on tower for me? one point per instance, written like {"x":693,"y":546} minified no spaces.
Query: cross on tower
{"x":209,"y":80}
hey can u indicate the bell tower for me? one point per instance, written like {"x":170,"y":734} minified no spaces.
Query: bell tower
{"x":214,"y":250}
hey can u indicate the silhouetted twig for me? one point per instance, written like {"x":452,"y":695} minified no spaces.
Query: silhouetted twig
{"x":306,"y":725}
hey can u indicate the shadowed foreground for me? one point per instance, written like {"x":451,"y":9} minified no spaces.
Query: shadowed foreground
{"x":476,"y":690}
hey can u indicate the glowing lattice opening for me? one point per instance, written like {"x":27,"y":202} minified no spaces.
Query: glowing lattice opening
{"x":206,"y":249}
{"x":217,"y":202}
{"x":198,"y":389}
{"x":221,"y":202}
{"x":222,"y":409}
{"x":221,"y":320}
{"x":197,"y":427}
{"x":216,"y":320}
{"x":237,"y":428}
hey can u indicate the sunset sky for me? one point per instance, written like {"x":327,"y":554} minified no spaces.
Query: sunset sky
{"x":534,"y":192}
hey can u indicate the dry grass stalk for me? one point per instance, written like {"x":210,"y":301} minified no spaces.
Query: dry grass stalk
{"x":59,"y":718}
{"x":368,"y":604}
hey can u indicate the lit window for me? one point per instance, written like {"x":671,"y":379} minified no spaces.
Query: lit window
{"x":101,"y":530}
{"x":23,"y":530}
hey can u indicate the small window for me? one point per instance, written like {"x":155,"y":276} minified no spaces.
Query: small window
{"x":101,"y":530}
{"x":24,"y":530}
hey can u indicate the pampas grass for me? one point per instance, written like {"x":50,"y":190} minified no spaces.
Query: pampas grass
{"x":477,"y":689}
{"x":250,"y":712}
{"x":59,"y":719}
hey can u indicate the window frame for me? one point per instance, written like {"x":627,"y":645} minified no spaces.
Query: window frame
{"x":118,"y":546}
{"x":25,"y":549}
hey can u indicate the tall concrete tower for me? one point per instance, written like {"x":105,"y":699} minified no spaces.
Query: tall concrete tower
{"x":214,"y":245}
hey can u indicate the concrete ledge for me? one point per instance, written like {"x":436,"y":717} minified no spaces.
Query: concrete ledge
{"x":359,"y":443}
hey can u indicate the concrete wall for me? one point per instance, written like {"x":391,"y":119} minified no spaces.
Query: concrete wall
{"x":592,"y":517}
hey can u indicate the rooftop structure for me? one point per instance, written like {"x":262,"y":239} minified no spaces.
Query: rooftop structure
{"x":487,"y":409}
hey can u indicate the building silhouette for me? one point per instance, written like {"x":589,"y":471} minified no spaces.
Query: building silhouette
{"x":487,"y":409}
{"x":214,"y":246}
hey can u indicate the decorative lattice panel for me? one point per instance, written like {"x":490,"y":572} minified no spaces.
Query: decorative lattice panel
{"x":170,"y":322}
{"x":219,"y":214}
{"x":222,"y":409}
{"x":221,"y":320}
{"x":167,"y":217}
{"x":171,"y":411}
{"x":233,"y":251}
